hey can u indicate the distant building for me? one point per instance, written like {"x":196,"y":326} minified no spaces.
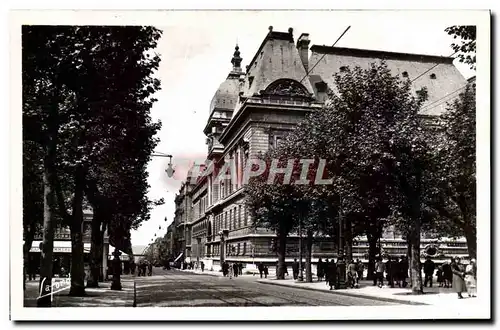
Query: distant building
{"x":138,"y":252}
{"x":253,"y":110}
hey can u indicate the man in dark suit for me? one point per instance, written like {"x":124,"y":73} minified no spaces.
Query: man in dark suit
{"x":295,"y":269}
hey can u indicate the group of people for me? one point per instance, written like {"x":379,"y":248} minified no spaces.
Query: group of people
{"x":462,"y":278}
{"x":232,"y":269}
{"x":263,"y":269}
{"x":395,"y":269}
{"x":142,"y":267}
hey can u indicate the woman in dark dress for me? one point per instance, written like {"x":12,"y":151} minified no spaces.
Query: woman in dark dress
{"x":458,"y":271}
{"x":320,"y":270}
{"x":331,"y":275}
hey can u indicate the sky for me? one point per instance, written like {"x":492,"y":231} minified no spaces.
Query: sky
{"x":196,"y":50}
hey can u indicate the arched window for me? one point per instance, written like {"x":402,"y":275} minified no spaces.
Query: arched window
{"x":286,"y":87}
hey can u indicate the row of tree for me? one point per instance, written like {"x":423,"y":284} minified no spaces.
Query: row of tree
{"x":87,"y":137}
{"x":389,"y":164}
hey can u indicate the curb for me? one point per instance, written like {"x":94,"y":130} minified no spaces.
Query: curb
{"x":398,"y":301}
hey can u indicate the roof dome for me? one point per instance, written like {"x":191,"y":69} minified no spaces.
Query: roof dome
{"x":226,"y":96}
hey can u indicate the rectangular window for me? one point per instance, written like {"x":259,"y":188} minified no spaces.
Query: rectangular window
{"x":245,"y":217}
{"x":244,"y":248}
{"x":230,"y":219}
{"x":239,"y":216}
{"x":238,"y":250}
{"x":277,"y":141}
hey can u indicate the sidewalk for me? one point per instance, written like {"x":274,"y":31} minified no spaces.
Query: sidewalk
{"x":432,"y":296}
{"x":96,"y":297}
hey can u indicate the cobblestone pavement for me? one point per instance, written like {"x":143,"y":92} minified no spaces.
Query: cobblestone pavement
{"x":169,"y":288}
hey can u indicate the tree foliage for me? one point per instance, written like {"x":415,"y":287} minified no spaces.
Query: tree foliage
{"x":373,"y":140}
{"x":456,"y":175}
{"x":467,"y":47}
{"x":88,"y":93}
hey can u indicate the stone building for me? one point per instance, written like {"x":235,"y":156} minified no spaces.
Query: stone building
{"x":253,"y":109}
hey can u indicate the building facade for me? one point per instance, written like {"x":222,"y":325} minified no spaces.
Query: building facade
{"x":253,"y":109}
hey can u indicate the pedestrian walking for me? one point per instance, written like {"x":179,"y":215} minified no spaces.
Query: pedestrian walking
{"x":471,"y":278}
{"x":231,"y":271}
{"x":403,"y":271}
{"x":325,"y":269}
{"x":458,"y":270}
{"x":266,"y":271}
{"x":439,"y":275}
{"x":331,"y":274}
{"x":352,"y":274}
{"x":360,"y":268}
{"x":379,"y":272}
{"x":389,"y":268}
{"x":320,"y":270}
{"x":202,"y":264}
{"x":295,"y":269}
{"x":261,"y":269}
{"x":132,"y":267}
{"x":447,"y":274}
{"x":235,"y":269}
{"x":150,"y":269}
{"x":429,"y":268}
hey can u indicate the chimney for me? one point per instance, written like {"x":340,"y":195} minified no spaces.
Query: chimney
{"x":303,"y":48}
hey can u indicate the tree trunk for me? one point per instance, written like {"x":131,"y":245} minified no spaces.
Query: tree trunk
{"x":372,"y":252}
{"x":470,"y":236}
{"x":415,"y":270}
{"x":96,"y":248}
{"x":77,"y":262}
{"x":28,"y":241}
{"x":309,"y":245}
{"x":281,"y":250}
{"x":348,"y":241}
{"x":45,"y":287}
{"x":408,"y":254}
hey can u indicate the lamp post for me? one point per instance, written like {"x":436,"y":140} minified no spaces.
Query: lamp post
{"x":222,"y":247}
{"x":341,"y":266}
{"x":301,"y":274}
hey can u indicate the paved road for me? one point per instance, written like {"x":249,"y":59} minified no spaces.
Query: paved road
{"x":175,"y":288}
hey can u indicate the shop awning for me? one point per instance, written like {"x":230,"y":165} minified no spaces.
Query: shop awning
{"x":59,"y":247}
{"x":177,"y":259}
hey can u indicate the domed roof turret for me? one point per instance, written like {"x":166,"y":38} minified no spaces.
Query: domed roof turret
{"x":226,"y":95}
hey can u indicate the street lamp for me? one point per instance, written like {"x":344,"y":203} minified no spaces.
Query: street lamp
{"x":222,"y":234}
{"x":170,"y":171}
{"x":301,"y":274}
